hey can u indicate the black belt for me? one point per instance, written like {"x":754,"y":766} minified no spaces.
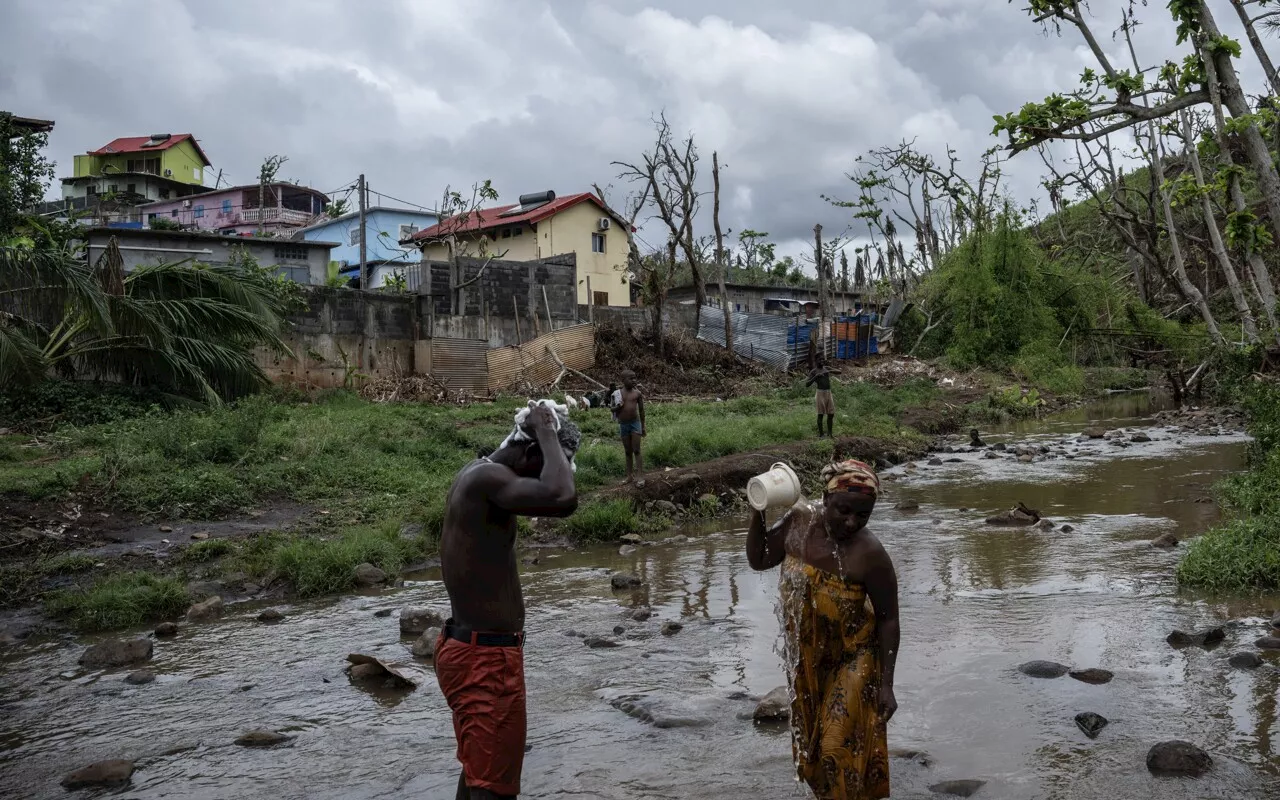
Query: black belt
{"x":483,"y":638}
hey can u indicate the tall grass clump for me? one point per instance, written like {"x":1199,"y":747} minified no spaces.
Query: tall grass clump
{"x":125,"y":600}
{"x":1243,"y":554}
{"x":601,"y":522}
{"x":323,"y":566}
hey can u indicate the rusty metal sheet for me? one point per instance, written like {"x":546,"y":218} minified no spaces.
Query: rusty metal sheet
{"x":462,"y":365}
{"x":534,"y":363}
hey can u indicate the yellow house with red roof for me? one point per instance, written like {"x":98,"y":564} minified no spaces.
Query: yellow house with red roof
{"x":161,"y":166}
{"x":542,"y":225}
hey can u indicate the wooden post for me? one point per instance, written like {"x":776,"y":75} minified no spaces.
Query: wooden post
{"x":591,"y":301}
{"x":551,"y":325}
{"x":364,"y":281}
{"x":516,"y":308}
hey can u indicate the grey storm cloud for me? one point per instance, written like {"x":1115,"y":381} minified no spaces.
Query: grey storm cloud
{"x":544,"y":94}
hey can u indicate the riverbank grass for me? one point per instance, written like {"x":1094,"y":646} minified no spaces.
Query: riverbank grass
{"x":125,"y":600}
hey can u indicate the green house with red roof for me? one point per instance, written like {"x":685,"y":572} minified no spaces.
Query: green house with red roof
{"x":161,"y":166}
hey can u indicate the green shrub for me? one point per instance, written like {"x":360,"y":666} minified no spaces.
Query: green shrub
{"x":601,"y":522}
{"x":125,"y":600}
{"x":56,"y":403}
{"x":203,"y":552}
{"x":1242,"y":555}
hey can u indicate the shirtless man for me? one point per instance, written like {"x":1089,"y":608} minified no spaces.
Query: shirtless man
{"x":631,"y":424}
{"x":823,"y":401}
{"x":479,"y":658}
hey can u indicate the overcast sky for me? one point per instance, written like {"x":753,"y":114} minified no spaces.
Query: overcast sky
{"x":544,"y":94}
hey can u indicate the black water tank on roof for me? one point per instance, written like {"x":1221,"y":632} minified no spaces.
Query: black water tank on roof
{"x":537,"y":198}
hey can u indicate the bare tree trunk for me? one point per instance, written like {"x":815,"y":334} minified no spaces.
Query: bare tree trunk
{"x":1233,"y":98}
{"x":1268,"y":68}
{"x":1179,"y":265}
{"x":721,"y":265}
{"x":1261,"y":276}
{"x":1215,"y":236}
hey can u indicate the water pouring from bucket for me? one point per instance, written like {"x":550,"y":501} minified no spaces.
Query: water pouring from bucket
{"x":779,"y":487}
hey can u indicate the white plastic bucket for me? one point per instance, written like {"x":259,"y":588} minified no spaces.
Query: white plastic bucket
{"x":777,"y":487}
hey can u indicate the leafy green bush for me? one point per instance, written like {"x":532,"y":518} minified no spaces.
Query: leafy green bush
{"x":54,"y":403}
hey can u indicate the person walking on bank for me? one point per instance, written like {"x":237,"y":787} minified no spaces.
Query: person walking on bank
{"x":824,"y":400}
{"x":479,"y":657}
{"x":841,"y":650}
{"x":631,"y":423}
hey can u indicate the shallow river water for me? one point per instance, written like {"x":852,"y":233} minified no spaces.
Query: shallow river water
{"x":976,"y":602}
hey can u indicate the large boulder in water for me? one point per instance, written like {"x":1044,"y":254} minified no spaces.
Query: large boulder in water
{"x":962,"y":788}
{"x":116,"y":653}
{"x":1093,"y":675}
{"x":1178,"y":758}
{"x":1206,"y":638}
{"x":115,"y":772}
{"x":1014,"y":517}
{"x":1245,"y":660}
{"x":1268,"y":643}
{"x":1044,"y":669}
{"x":417,"y":621}
{"x":368,"y":575}
{"x":1165,"y":540}
{"x":205,"y":610}
{"x":619,"y":581}
{"x":775,"y":707}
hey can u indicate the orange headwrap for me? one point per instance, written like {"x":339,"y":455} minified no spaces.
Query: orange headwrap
{"x":851,"y":476}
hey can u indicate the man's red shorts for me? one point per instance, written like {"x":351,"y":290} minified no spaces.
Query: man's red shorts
{"x":485,"y":689}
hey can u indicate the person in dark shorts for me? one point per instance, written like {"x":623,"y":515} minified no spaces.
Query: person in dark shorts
{"x":824,"y":401}
{"x":479,"y":657}
{"x":631,"y":423}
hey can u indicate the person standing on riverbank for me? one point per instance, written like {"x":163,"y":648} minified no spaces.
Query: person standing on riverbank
{"x":631,"y":423}
{"x":841,"y":650}
{"x":479,"y":656}
{"x":824,"y":400}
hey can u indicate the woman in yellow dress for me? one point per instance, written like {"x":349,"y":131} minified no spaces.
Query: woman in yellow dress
{"x":840,"y":605}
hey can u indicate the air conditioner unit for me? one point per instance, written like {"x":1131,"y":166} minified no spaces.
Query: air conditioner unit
{"x":604,"y":223}
{"x":168,"y":173}
{"x":186,"y":204}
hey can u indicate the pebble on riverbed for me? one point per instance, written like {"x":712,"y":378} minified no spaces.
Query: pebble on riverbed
{"x":115,"y":772}
{"x":1093,"y":675}
{"x":1044,"y":669}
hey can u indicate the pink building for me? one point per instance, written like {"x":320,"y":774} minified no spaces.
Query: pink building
{"x":237,"y":210}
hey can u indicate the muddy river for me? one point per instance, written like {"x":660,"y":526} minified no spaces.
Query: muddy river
{"x":976,"y":602}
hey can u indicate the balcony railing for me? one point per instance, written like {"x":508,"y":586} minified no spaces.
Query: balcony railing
{"x":286,"y":216}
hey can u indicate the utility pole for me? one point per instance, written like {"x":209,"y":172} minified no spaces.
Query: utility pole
{"x":262,"y":200}
{"x":822,"y":294}
{"x":364,"y":281}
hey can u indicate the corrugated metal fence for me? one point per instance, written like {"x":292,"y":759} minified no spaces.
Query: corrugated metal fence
{"x":468,"y":365}
{"x":781,"y":342}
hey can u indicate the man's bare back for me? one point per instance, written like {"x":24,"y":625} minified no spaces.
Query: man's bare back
{"x":477,"y":553}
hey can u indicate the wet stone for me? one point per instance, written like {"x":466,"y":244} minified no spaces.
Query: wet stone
{"x":205,"y":610}
{"x":1091,"y":724}
{"x":915,"y":756}
{"x":624,"y":580}
{"x":1206,"y":638}
{"x":1245,"y":660}
{"x":383,"y":612}
{"x":631,"y":538}
{"x":261,"y":738}
{"x":1268,"y":643}
{"x":641,"y":614}
{"x":142,"y":676}
{"x":270,"y":615}
{"x":599,"y":642}
{"x":115,"y":772}
{"x":116,"y":653}
{"x":417,"y":621}
{"x":425,"y":646}
{"x":619,"y":630}
{"x":666,"y":507}
{"x":1165,"y":540}
{"x":775,"y":707}
{"x":1140,"y":438}
{"x":1067,"y":529}
{"x":991,"y":455}
{"x":166,"y":629}
{"x":1178,"y":758}
{"x":1043,"y":669}
{"x":671,"y":628}
{"x":1275,"y":621}
{"x":626,"y":550}
{"x":935,"y":462}
{"x":961,"y":788}
{"x":369,"y":575}
{"x":1093,"y":675}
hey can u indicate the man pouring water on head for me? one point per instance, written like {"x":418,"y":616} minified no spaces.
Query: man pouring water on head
{"x":479,"y":657}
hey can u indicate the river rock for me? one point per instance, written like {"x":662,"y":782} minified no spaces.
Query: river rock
{"x":1066,"y":529}
{"x":366,"y":666}
{"x":425,"y":646}
{"x":1012,"y":518}
{"x":270,"y":615}
{"x":671,"y":628}
{"x":1094,"y":433}
{"x":166,"y":629}
{"x":624,"y":580}
{"x":1092,"y":675}
{"x":1165,"y":540}
{"x":1140,"y":438}
{"x":775,"y":707}
{"x":907,"y":754}
{"x":141,"y":677}
{"x":631,"y":538}
{"x":1091,"y":724}
{"x":907,"y":505}
{"x":1205,"y":638}
{"x":627,"y":550}
{"x":369,"y":575}
{"x":1044,"y":669}
{"x":205,"y":610}
{"x":599,"y":642}
{"x":659,"y":713}
{"x":1245,"y":659}
{"x":416,"y":621}
{"x":961,"y":788}
{"x":619,"y":630}
{"x":116,"y":653}
{"x":666,"y":507}
{"x":935,"y":462}
{"x":1026,"y":458}
{"x":641,"y":614}
{"x":1268,"y":643}
{"x":1178,"y":758}
{"x":1275,"y":621}
{"x":261,"y":738}
{"x":1045,"y":525}
{"x":382,"y":612}
{"x":115,"y":772}
{"x":990,"y":454}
